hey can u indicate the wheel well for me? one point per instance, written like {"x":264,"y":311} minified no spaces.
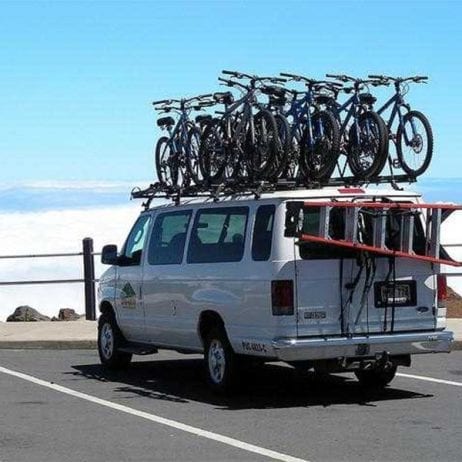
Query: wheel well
{"x":207,"y":321}
{"x":106,"y":308}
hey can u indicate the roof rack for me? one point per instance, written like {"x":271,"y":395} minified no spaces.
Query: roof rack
{"x":252,"y":188}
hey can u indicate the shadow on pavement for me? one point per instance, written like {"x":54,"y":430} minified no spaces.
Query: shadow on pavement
{"x":262,"y":387}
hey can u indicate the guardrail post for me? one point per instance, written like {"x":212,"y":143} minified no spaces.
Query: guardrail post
{"x":89,"y":279}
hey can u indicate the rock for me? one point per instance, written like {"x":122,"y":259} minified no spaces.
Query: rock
{"x":68,"y":314}
{"x":26,"y":313}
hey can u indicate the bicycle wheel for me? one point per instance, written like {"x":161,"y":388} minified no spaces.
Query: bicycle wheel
{"x":367,"y":145}
{"x":320,"y":148}
{"x":192,"y":155}
{"x":166,"y":165}
{"x":263,"y":153}
{"x":212,"y":151}
{"x":283,"y":154}
{"x":414,"y":143}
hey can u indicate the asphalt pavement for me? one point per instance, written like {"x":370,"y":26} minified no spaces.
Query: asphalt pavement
{"x":61,"y":405}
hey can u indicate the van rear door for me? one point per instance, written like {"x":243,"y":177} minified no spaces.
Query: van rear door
{"x":345,"y":292}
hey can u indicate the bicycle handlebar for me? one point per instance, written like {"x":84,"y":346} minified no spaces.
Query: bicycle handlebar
{"x":232,"y":83}
{"x":238,"y":75}
{"x":384,"y":78}
{"x":163,"y":101}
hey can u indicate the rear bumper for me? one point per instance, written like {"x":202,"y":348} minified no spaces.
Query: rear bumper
{"x":296,"y":349}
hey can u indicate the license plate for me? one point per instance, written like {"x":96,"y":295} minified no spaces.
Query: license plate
{"x":395,"y":294}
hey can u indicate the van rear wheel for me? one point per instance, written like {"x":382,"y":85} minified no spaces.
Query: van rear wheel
{"x":220,"y":361}
{"x":376,"y":378}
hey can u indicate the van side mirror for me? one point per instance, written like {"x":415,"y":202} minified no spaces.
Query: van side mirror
{"x":109,"y":255}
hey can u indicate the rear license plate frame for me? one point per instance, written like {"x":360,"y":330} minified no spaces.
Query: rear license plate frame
{"x":405,"y":293}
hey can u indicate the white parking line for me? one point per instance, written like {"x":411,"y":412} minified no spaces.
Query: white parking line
{"x":157,"y":419}
{"x":430,"y":379}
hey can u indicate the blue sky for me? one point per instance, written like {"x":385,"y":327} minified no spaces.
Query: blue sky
{"x":77,"y":78}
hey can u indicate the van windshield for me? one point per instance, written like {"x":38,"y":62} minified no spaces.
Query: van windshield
{"x":315,"y":250}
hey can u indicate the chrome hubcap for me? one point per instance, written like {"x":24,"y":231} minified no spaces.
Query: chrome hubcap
{"x":216,"y":361}
{"x":107,"y":340}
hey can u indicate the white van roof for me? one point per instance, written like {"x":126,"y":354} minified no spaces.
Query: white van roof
{"x":295,"y":194}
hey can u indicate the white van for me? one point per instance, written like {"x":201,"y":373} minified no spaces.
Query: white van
{"x":229,"y":279}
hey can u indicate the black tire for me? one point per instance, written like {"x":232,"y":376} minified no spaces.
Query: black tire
{"x":368,"y":154}
{"x":110,"y":340}
{"x":221,"y":363}
{"x":213,"y":152}
{"x":163,"y":161}
{"x":319,"y":156}
{"x":417,"y":144}
{"x":283,"y":154}
{"x":192,"y":158}
{"x":376,"y":378}
{"x":264,"y":152}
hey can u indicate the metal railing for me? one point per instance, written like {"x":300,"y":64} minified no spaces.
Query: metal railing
{"x":88,"y":280}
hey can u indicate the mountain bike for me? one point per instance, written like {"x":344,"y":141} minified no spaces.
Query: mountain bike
{"x":413,"y":136}
{"x":314,"y":130}
{"x":241,"y":143}
{"x":177,"y":155}
{"x":364,"y":138}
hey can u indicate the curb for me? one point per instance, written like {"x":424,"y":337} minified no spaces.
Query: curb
{"x":49,"y":345}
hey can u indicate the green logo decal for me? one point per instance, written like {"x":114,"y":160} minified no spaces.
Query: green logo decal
{"x":128,"y":297}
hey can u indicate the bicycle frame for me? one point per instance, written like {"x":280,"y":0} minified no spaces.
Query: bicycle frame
{"x":397,"y":101}
{"x":178,"y":135}
{"x":300,"y":108}
{"x":246,"y":102}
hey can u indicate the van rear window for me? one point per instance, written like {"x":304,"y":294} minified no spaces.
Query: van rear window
{"x":314,"y":250}
{"x":218,"y":235}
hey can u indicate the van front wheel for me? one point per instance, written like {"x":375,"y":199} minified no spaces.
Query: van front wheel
{"x":220,"y":361}
{"x":110,"y":339}
{"x":376,"y":378}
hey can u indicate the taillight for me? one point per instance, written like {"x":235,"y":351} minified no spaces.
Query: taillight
{"x":442,"y":289}
{"x":282,"y":297}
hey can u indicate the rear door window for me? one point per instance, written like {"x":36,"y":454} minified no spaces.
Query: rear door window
{"x":218,"y":235}
{"x":314,"y":250}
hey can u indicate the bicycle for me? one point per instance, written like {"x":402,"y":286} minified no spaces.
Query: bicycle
{"x":314,"y":130}
{"x":364,"y":141}
{"x":240,"y":142}
{"x":177,"y":155}
{"x":413,"y":131}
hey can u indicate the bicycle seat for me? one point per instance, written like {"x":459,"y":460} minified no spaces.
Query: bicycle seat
{"x":367,"y":98}
{"x":325,"y":99}
{"x":224,"y":97}
{"x":274,"y":91}
{"x":200,"y":119}
{"x":165,"y":121}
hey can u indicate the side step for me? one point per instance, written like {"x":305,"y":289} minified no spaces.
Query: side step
{"x":138,"y":349}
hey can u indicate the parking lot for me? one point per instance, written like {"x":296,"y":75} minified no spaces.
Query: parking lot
{"x":62,"y":406}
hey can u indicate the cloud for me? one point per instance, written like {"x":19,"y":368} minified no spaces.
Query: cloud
{"x":55,"y":232}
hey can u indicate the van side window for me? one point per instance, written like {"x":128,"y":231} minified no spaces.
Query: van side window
{"x":168,"y":238}
{"x":263,"y":233}
{"x":218,"y":235}
{"x":133,"y":248}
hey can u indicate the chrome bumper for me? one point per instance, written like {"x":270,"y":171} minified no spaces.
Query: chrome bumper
{"x":295,"y":349}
